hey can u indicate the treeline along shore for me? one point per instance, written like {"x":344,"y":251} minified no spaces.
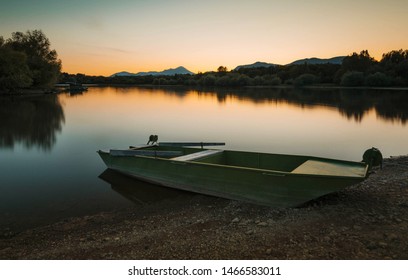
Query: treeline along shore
{"x":356,"y":70}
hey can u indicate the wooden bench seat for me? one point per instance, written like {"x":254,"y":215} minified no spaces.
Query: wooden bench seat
{"x":197,"y":155}
{"x":329,"y":168}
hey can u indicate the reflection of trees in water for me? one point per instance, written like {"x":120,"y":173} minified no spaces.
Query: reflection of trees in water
{"x":390,"y":105}
{"x":394,"y":108}
{"x":353,"y":104}
{"x":30,"y":121}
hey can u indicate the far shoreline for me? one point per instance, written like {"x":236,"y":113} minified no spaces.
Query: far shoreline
{"x":60,"y":89}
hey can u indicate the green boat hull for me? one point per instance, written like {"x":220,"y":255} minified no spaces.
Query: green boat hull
{"x":260,"y":178}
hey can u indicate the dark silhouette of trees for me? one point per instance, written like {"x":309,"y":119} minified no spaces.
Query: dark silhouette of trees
{"x":378,"y":79}
{"x":363,"y":70}
{"x":305,"y":80}
{"x":352,"y":66}
{"x":356,"y":70}
{"x":395,"y":64}
{"x":222,"y":69}
{"x":395,"y":57}
{"x":31,"y":50}
{"x":14,"y":72}
{"x":352,"y":79}
{"x":358,"y":62}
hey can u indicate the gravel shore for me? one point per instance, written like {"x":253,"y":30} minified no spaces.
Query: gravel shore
{"x":365,"y":221}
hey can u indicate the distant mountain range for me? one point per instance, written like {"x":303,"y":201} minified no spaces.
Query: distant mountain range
{"x":168,"y":72}
{"x":313,"y":60}
{"x":182,"y":70}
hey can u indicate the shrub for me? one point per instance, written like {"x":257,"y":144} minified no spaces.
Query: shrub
{"x":378,"y":80}
{"x":258,"y":81}
{"x":305,"y":80}
{"x":352,"y":79}
{"x":272,"y":80}
{"x":207,"y":80}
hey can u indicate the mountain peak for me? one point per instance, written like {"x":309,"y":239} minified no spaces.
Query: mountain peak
{"x":181,"y":70}
{"x":255,"y":65}
{"x":122,"y":73}
{"x":315,"y":60}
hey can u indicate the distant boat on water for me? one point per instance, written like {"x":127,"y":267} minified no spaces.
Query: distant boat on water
{"x":74,"y":86}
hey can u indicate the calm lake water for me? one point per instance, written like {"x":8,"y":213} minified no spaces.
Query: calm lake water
{"x":49,"y":168}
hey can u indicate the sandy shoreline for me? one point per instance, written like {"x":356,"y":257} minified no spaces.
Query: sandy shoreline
{"x":366,"y":221}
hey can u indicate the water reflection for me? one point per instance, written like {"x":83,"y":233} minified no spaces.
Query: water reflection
{"x":75,"y":92}
{"x":33,"y":122}
{"x":137,"y":191}
{"x":390,"y":105}
{"x":63,"y":181}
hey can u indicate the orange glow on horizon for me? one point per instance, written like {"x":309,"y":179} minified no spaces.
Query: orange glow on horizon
{"x":94,"y":66}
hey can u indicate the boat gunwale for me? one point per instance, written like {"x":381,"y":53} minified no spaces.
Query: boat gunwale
{"x":265,"y":172}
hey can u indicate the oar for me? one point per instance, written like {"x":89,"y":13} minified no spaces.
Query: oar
{"x":189,"y":144}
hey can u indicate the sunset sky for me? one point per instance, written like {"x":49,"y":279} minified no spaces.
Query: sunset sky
{"x":101,"y":37}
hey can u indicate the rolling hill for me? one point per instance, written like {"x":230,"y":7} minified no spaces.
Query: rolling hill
{"x":168,"y":72}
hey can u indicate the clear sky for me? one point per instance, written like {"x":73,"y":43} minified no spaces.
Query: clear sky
{"x":101,"y":37}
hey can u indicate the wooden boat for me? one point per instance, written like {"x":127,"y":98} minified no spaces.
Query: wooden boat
{"x":266,"y":179}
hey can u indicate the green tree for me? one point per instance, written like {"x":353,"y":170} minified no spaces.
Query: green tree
{"x":358,"y":62}
{"x":271,"y":80}
{"x":42,"y":61}
{"x":361,"y":62}
{"x":305,"y":80}
{"x":258,"y":81}
{"x":394,"y":57}
{"x":224,"y":81}
{"x":244,"y":80}
{"x":395,"y":64}
{"x":14,"y":72}
{"x":352,"y":79}
{"x":207,"y":80}
{"x":377,"y":80}
{"x":222,"y":69}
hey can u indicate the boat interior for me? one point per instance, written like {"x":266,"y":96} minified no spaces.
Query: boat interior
{"x":271,"y":162}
